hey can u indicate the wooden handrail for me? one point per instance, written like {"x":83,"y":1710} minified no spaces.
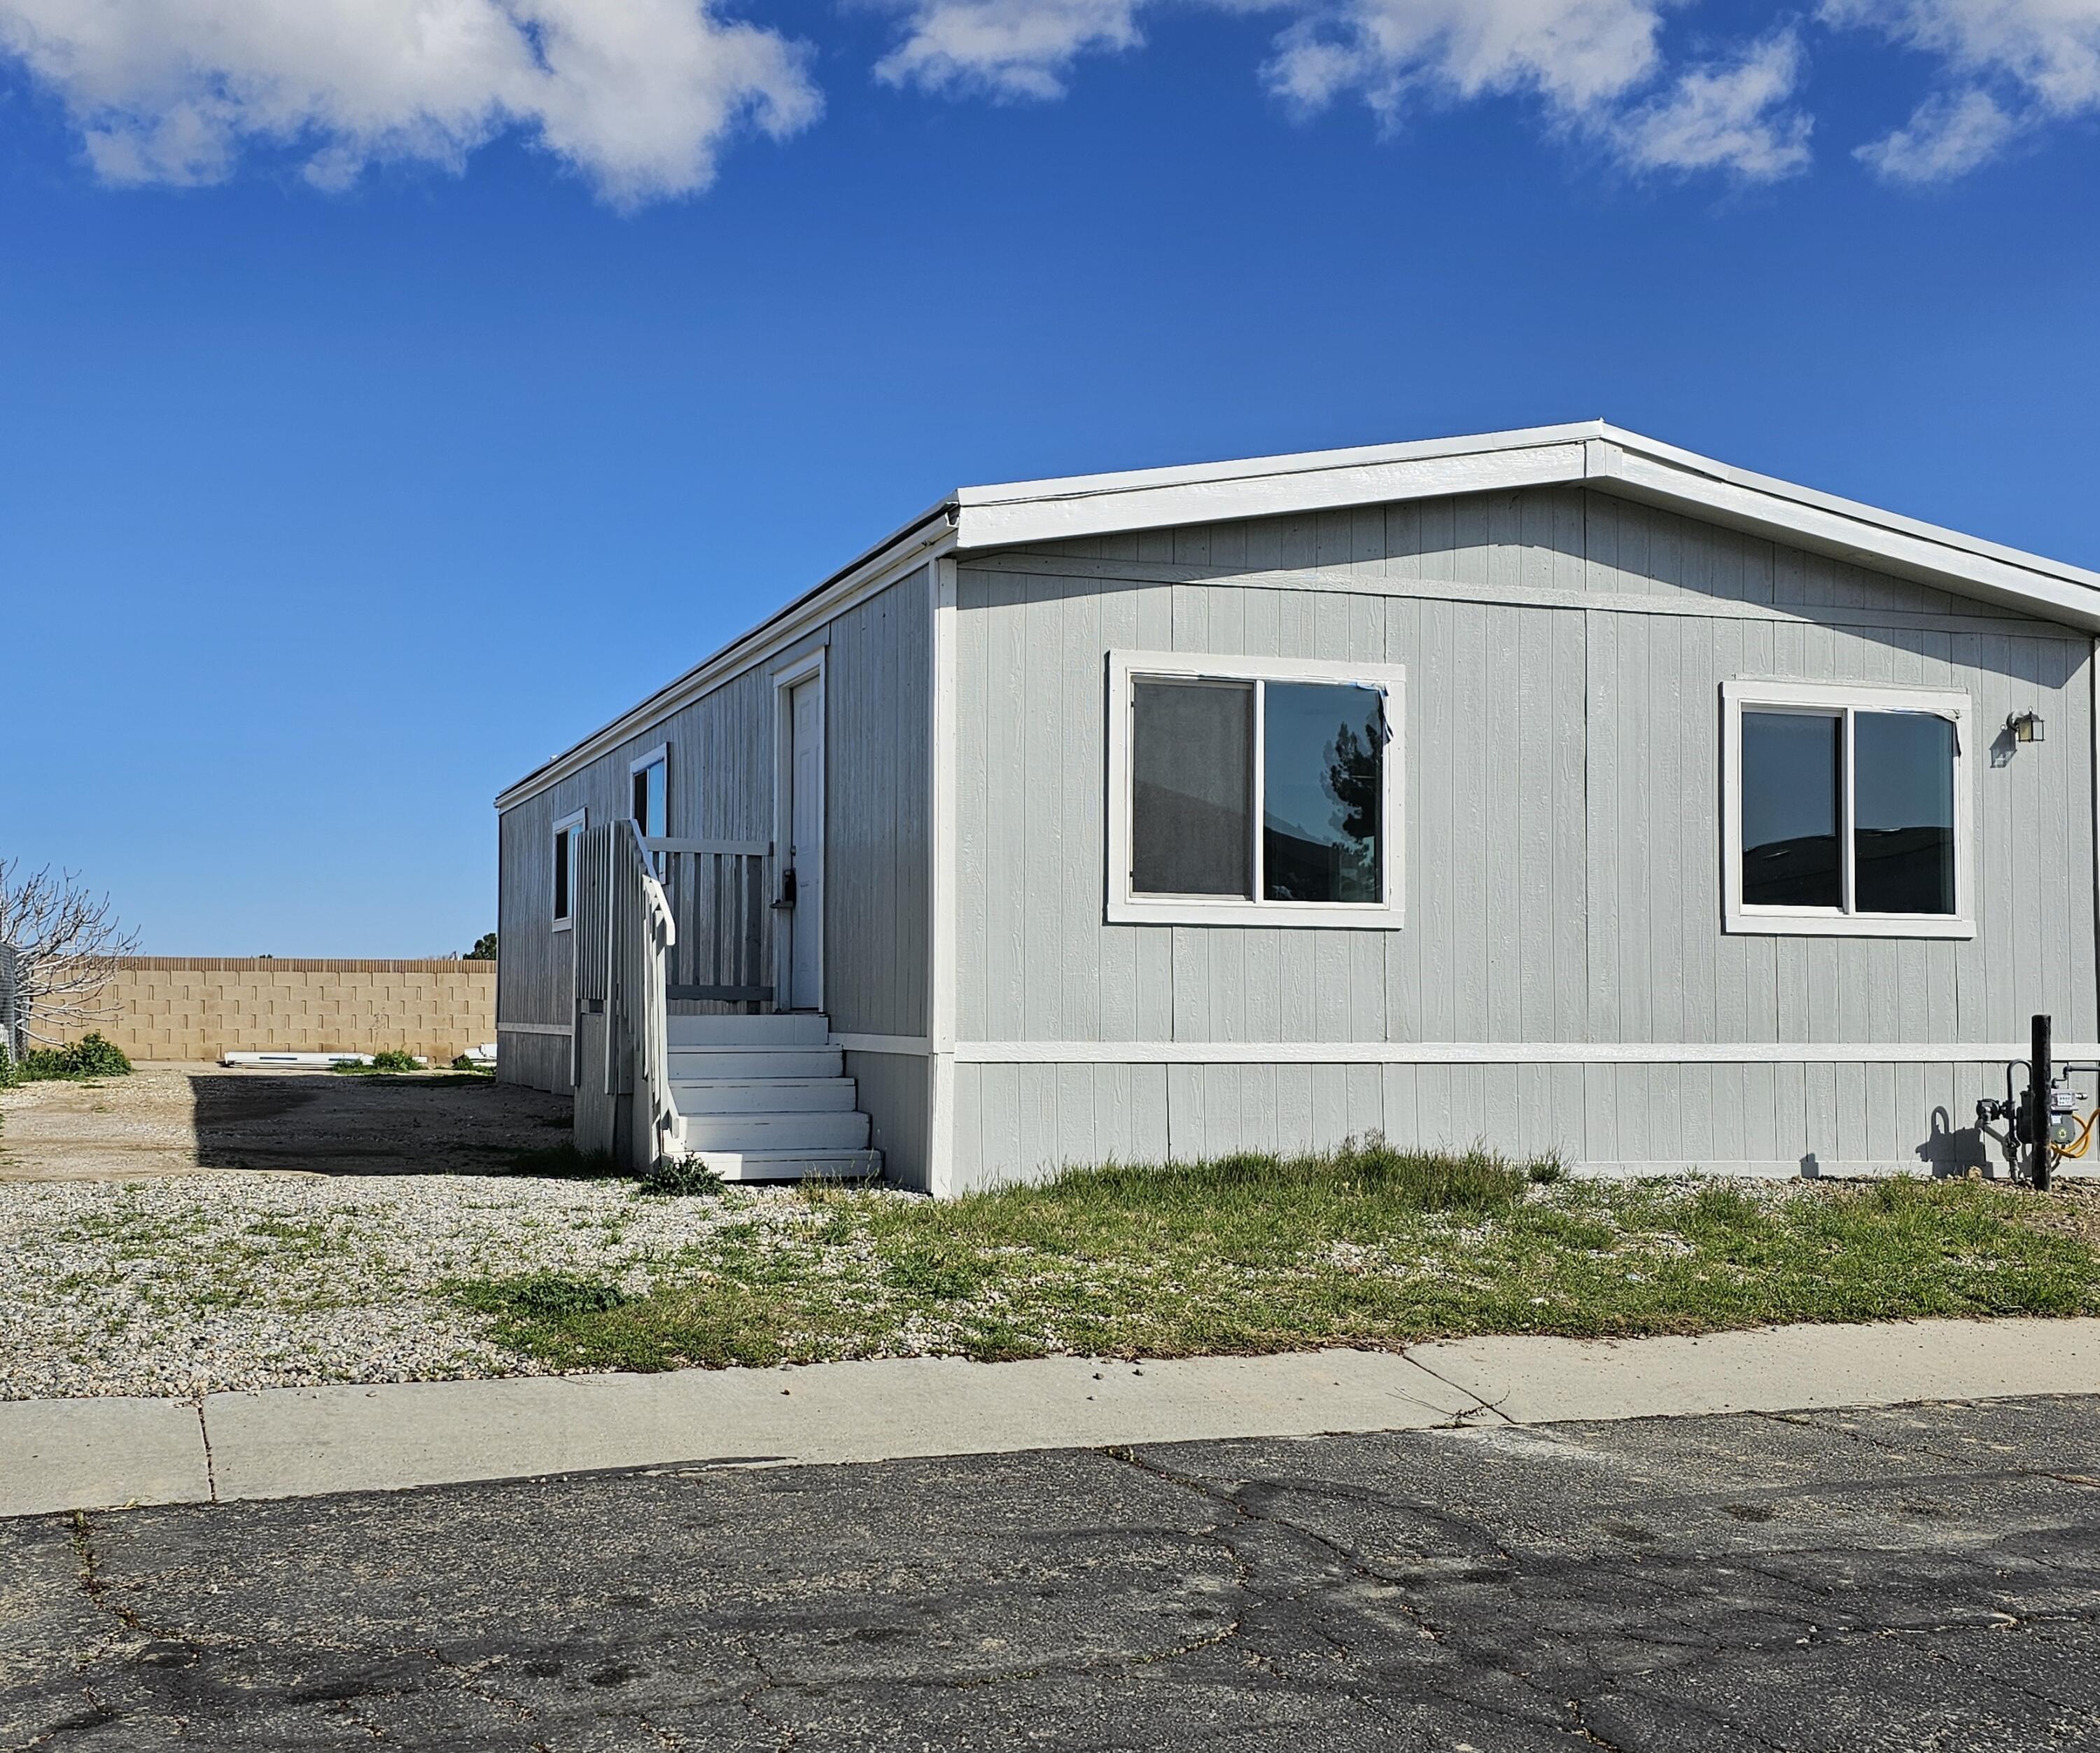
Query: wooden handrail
{"x":623,"y":935}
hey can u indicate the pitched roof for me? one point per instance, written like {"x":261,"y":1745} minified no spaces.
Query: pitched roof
{"x":1589,"y":454}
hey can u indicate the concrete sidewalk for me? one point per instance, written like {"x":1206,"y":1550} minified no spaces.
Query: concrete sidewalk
{"x":59,"y":1455}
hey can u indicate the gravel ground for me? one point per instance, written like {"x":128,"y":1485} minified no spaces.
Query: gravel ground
{"x":183,"y":1287}
{"x":191,"y":1228}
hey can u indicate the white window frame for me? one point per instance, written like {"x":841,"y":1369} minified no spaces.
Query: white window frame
{"x":661,"y":753}
{"x":571,"y":825}
{"x":1125,"y":907}
{"x":1842,"y":699}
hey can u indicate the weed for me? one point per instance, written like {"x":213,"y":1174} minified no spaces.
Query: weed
{"x":387,"y":1062}
{"x":544,"y":1296}
{"x":680,"y":1175}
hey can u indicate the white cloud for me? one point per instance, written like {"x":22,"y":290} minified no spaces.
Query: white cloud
{"x":1575,"y":54}
{"x":1009,"y":48}
{"x":638,"y":95}
{"x":2014,"y":63}
{"x":1946,"y":135}
{"x":1588,"y":62}
{"x":1726,"y":118}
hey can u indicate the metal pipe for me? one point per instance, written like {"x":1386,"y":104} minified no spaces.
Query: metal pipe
{"x":2038,"y":1068}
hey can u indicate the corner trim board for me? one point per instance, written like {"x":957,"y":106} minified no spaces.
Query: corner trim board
{"x":942,"y":876}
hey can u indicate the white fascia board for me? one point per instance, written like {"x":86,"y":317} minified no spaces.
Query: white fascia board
{"x":1692,"y":463}
{"x":1301,"y":462}
{"x":1277,"y":490}
{"x":1638,"y":469}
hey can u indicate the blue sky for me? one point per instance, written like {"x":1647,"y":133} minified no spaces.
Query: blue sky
{"x":379,"y":417}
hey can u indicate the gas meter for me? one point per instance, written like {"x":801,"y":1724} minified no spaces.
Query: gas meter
{"x":2063,"y":1104}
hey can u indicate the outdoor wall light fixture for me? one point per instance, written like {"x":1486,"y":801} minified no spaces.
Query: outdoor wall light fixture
{"x":2026,"y":726}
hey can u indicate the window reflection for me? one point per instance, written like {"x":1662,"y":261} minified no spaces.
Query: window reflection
{"x":1791,"y":764}
{"x":1323,"y":779}
{"x":1903,"y":834}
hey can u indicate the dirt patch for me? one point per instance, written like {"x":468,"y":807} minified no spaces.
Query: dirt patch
{"x":179,"y":1119}
{"x":2070,"y":1207}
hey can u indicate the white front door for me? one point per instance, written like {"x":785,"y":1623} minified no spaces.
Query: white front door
{"x":806,"y":850}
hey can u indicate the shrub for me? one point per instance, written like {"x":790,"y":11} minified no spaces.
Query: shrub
{"x":389,"y":1059}
{"x":91,"y":1056}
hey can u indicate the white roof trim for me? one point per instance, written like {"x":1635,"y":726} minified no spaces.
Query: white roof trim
{"x":1592,"y":452}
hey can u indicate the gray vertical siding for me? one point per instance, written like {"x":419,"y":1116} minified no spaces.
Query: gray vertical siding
{"x":876,"y":744}
{"x":532,"y":972}
{"x":1564,"y":653}
{"x":720,"y":787}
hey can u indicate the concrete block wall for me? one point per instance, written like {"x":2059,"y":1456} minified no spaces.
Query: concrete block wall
{"x":175,"y":1007}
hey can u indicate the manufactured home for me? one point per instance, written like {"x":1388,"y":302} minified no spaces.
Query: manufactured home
{"x":1555,"y":788}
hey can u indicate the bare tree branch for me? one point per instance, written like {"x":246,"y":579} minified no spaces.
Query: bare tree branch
{"x":66,"y":941}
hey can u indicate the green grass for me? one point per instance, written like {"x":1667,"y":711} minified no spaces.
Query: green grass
{"x":1364,"y":1246}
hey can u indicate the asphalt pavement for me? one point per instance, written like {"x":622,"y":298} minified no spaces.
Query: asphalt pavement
{"x":1908,"y":1578}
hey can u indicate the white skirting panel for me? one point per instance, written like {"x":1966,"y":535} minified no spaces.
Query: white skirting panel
{"x":1024,"y":1120}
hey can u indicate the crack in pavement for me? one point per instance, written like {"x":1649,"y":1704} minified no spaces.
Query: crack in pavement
{"x":1494,"y":1599}
{"x":1672,"y":1577}
{"x":1352,"y":1559}
{"x":204,"y":1436}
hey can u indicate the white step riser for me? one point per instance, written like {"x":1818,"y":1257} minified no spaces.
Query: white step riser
{"x":776,"y":1131}
{"x":765,"y":1095}
{"x":800,"y":1029}
{"x":697,"y":1065}
{"x":794,"y":1165}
